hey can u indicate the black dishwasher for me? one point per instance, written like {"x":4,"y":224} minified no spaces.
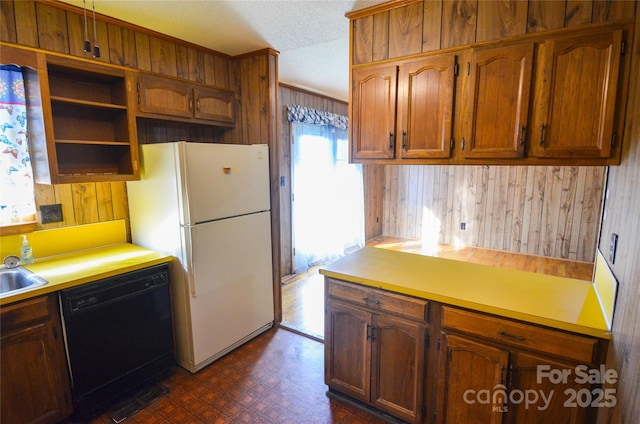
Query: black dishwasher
{"x":118,"y":334}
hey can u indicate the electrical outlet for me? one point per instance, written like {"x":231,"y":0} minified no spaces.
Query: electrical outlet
{"x":612,"y":248}
{"x":463,"y":225}
{"x":51,"y":213}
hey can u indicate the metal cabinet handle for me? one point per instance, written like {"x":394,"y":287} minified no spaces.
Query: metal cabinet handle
{"x":542,"y":128}
{"x":511,"y":336}
{"x":404,"y":140}
{"x":523,"y":132}
{"x":374,"y":301}
{"x":390,"y":140}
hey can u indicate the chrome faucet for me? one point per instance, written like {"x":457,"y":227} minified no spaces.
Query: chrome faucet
{"x":11,"y":261}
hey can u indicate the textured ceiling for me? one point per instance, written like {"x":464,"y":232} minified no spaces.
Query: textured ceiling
{"x":312,"y":36}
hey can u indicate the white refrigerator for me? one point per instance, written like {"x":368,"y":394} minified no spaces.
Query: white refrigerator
{"x":208,"y":205}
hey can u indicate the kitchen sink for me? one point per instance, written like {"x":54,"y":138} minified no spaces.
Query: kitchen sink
{"x":16,"y":280}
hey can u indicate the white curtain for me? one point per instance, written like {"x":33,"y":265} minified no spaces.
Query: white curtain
{"x":328,"y":204}
{"x":17,"y":204}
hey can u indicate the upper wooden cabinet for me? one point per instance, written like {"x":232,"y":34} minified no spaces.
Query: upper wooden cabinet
{"x":89,"y":123}
{"x":524,"y":94}
{"x":497,"y":101}
{"x":172,"y":99}
{"x":576,"y":92}
{"x":404,"y":111}
{"x":373,"y":120}
{"x":425,"y":112}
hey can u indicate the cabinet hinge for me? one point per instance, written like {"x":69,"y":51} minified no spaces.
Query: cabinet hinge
{"x":438,"y":344}
{"x":623,"y":48}
{"x":424,"y":411}
{"x":614,"y":139}
{"x":435,"y":415}
{"x":456,"y":69}
{"x":55,"y":333}
{"x":427,"y":341}
{"x":510,"y":376}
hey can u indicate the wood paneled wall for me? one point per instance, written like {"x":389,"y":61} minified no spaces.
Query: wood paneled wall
{"x":415,"y":26}
{"x":622,"y":216}
{"x":292,"y":95}
{"x":542,"y":210}
{"x":85,"y":203}
{"x":58,"y":27}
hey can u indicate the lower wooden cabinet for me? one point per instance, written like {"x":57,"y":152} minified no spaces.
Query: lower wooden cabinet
{"x":376,"y":357}
{"x":34,"y":380}
{"x":347,"y":350}
{"x":469,"y":370}
{"x":551,"y":398}
{"x":398,"y":360}
{"x":482,"y":368}
{"x":495,"y":370}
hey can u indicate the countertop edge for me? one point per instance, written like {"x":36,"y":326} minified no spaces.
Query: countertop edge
{"x":151,"y":258}
{"x":478,"y":307}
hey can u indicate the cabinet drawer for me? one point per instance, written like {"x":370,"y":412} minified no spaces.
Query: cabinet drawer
{"x":378,"y":299}
{"x":504,"y":331}
{"x":26,"y":312}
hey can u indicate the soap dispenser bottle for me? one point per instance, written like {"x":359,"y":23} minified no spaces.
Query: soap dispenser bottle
{"x":26,"y":253}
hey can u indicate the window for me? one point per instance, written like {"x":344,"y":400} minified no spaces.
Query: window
{"x":328,"y":201}
{"x":17,"y":201}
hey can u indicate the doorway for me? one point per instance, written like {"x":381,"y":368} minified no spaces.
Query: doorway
{"x":327,"y":219}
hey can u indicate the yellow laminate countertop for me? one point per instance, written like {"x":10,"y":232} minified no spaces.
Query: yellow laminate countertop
{"x":72,"y":269}
{"x":557,"y":302}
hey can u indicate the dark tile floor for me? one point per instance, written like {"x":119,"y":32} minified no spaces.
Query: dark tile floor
{"x":276,"y":378}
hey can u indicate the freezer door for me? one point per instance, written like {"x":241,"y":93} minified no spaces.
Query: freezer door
{"x":223,"y":180}
{"x":232,"y":289}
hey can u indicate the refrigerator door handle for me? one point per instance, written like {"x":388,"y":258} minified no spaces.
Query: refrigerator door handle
{"x":190,"y":248}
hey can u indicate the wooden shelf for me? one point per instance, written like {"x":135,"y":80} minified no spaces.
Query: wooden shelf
{"x":79,"y":102}
{"x":89,"y":122}
{"x":94,"y":142}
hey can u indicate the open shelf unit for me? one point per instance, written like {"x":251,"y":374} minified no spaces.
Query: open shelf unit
{"x":92,"y":133}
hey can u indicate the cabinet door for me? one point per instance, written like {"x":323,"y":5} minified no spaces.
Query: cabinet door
{"x":497,"y":102}
{"x":556,"y":398}
{"x":398,"y":362}
{"x":576,"y":91}
{"x":425,"y":112}
{"x":374,"y":112}
{"x":164,"y":96}
{"x":468,"y":370}
{"x":347,"y":350}
{"x":34,"y":382}
{"x":214,"y":105}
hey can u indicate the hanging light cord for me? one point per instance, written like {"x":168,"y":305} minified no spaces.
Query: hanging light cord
{"x":96,"y":49}
{"x":87,"y":43}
